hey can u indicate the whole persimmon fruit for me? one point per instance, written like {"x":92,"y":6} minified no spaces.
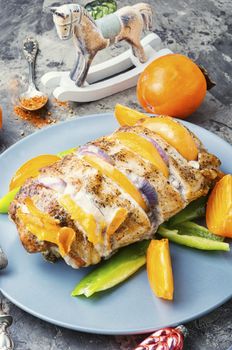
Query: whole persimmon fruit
{"x":171,"y":85}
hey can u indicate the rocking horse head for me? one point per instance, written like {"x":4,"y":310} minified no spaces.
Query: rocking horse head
{"x":65,"y":18}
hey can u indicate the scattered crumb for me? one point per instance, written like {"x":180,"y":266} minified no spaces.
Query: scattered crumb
{"x":36,"y":118}
{"x":43,"y":116}
{"x":59,"y":103}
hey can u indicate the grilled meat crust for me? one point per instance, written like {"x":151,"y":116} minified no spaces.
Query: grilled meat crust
{"x":170,"y":200}
{"x":187,"y":181}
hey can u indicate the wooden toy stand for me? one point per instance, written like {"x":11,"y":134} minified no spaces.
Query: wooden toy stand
{"x":107,"y":78}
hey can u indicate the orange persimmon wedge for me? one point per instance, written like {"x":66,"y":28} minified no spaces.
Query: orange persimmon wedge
{"x":175,"y":134}
{"x":34,"y":211}
{"x":219,"y":208}
{"x":63,"y":237}
{"x":166,"y":127}
{"x":119,"y":178}
{"x":31,"y":169}
{"x":143,"y":147}
{"x":127,"y":116}
{"x":159,"y":269}
{"x":86,"y":221}
{"x":46,"y":228}
{"x":66,"y":236}
{"x":118,"y":219}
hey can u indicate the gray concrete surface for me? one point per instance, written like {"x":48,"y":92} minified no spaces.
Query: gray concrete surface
{"x":200,"y":28}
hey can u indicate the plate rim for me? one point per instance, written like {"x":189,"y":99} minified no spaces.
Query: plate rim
{"x":93,"y":329}
{"x":133,"y":331}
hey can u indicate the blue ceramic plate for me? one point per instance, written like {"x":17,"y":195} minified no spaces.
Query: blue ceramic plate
{"x":203,"y":280}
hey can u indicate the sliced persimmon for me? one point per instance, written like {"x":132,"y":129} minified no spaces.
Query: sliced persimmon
{"x":127,"y":116}
{"x":119,"y":217}
{"x":31,"y":169}
{"x":117,"y":176}
{"x":86,"y":221}
{"x":175,"y":134}
{"x":219,"y":208}
{"x":46,"y":228}
{"x":159,"y":269}
{"x":144,"y":148}
{"x":34,"y":211}
{"x":171,"y":131}
{"x":65,"y":239}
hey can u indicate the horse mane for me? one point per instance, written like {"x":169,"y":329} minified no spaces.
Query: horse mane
{"x":85,"y":13}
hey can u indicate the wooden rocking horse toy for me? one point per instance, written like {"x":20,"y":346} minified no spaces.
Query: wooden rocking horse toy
{"x":91,"y":36}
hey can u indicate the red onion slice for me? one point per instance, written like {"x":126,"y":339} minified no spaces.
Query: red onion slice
{"x":147,"y":191}
{"x":94,"y":150}
{"x":54,"y":183}
{"x":151,"y":197}
{"x":162,"y":153}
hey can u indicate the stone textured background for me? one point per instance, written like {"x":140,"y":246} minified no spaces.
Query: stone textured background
{"x":201,"y":29}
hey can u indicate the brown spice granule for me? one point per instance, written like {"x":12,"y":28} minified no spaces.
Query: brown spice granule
{"x":37,"y":119}
{"x":34,"y":103}
{"x":59,"y":103}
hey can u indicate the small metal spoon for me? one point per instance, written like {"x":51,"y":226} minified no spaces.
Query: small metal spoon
{"x":30,"y":49}
{"x":3,"y":259}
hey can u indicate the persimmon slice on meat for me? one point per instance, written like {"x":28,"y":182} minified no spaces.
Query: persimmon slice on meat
{"x":46,"y":228}
{"x":144,"y":148}
{"x":117,"y":176}
{"x":219,"y":208}
{"x":118,"y":219}
{"x":31,"y":169}
{"x":171,"y":131}
{"x":127,"y":116}
{"x":87,"y":221}
{"x":175,"y":134}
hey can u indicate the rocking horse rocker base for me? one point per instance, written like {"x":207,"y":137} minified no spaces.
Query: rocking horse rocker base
{"x":107,"y":78}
